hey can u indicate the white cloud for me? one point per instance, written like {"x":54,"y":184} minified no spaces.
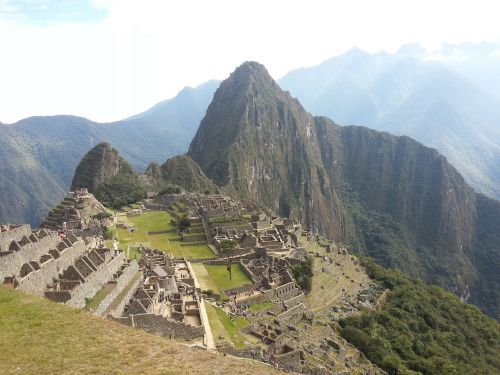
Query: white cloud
{"x":144,"y":52}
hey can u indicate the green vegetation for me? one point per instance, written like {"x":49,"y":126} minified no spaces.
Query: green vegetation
{"x":119,"y":190}
{"x":108,"y":233}
{"x":49,"y":338}
{"x":224,"y":326}
{"x":134,"y":253}
{"x":99,"y":297}
{"x":227,"y":248}
{"x":180,"y":171}
{"x":170,"y":189}
{"x":109,"y":177}
{"x":424,"y":330}
{"x":260,"y":306}
{"x":219,"y":275}
{"x":214,"y":277}
{"x":303,"y":274}
{"x":168,"y":241}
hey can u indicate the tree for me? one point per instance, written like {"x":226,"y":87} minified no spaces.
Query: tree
{"x":183,"y":224}
{"x":227,"y":247}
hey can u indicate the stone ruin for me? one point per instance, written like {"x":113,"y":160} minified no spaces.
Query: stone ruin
{"x":60,"y":266}
{"x":75,"y":212}
{"x":167,"y":302}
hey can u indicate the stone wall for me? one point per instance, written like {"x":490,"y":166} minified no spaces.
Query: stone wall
{"x":193,"y":237}
{"x":294,"y":301}
{"x":10,"y":264}
{"x":118,"y":310}
{"x":13,"y":234}
{"x":242,"y":289}
{"x":36,"y":281}
{"x":289,"y":361}
{"x":121,"y":283}
{"x":294,"y":314}
{"x":267,"y":295}
{"x":158,"y":324}
{"x":94,"y":282}
{"x":287,"y":291}
{"x":156,"y":207}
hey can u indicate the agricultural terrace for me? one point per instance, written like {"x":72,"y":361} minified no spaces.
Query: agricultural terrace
{"x":154,"y":229}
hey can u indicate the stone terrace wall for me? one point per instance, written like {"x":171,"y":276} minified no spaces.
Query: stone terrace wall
{"x":36,"y":281}
{"x":118,"y":311}
{"x":242,"y":289}
{"x":121,"y":283}
{"x":289,"y":361}
{"x":294,"y":301}
{"x":165,"y":327}
{"x":267,"y":295}
{"x":11,"y":263}
{"x":294,"y":314}
{"x":13,"y":234}
{"x":94,"y":282}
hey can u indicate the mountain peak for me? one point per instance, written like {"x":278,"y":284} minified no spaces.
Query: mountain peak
{"x":250,"y":72}
{"x":99,"y":164}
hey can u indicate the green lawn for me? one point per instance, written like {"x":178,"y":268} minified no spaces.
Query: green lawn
{"x":155,"y":221}
{"x":216,"y":277}
{"x":260,"y":306}
{"x":134,"y":253}
{"x":223,"y":326}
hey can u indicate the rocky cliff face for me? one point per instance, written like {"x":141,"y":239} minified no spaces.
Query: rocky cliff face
{"x":388,"y":196}
{"x":259,"y":143}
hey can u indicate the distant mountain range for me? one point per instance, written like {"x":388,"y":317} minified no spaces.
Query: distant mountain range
{"x":426,"y":96}
{"x":39,"y":154}
{"x":447,"y":99}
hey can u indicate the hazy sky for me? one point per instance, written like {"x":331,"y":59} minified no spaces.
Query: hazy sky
{"x":106,"y":60}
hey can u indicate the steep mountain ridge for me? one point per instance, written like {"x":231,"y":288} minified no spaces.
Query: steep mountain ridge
{"x":407,"y":94}
{"x":388,"y":196}
{"x":238,"y":148}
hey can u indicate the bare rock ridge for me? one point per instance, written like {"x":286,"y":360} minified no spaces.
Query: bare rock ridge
{"x":387,"y":196}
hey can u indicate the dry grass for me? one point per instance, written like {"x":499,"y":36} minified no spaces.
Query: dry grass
{"x":42,"y":337}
